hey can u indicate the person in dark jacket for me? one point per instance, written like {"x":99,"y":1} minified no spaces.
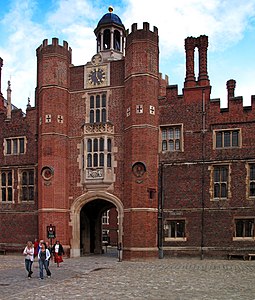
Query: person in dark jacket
{"x":58,"y":252}
{"x":43,"y":259}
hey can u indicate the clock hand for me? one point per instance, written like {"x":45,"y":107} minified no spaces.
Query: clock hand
{"x":97,"y":77}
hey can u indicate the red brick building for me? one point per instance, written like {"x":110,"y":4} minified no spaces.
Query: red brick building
{"x":112,"y":134}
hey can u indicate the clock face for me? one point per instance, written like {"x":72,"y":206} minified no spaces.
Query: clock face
{"x":96,"y":76}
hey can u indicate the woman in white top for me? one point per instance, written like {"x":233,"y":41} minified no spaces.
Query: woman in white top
{"x":29,"y":257}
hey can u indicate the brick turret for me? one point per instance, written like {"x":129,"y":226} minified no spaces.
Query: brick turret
{"x":52,"y":97}
{"x":141,"y":143}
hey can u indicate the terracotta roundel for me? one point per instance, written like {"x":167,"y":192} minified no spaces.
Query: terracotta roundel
{"x":47,"y":173}
{"x":139,"y":169}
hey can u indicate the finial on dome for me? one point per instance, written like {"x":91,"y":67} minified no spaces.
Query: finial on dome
{"x":110,"y":9}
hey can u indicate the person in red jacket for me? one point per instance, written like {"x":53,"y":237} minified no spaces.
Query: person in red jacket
{"x":36,"y":247}
{"x":58,"y":252}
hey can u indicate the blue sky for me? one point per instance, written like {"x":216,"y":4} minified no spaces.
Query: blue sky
{"x":230,"y":25}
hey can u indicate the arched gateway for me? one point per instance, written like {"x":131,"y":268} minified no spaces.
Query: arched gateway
{"x":85,"y":221}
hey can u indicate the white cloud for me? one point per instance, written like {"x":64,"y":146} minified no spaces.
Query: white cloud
{"x":70,"y":12}
{"x":223,"y":21}
{"x":20,"y":62}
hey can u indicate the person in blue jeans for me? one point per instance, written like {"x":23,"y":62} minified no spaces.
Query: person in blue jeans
{"x":29,"y":258}
{"x":43,"y":259}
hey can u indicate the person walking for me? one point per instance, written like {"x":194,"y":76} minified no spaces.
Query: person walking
{"x":29,"y":257}
{"x":50,"y":250}
{"x":43,"y":259}
{"x":58,"y":252}
{"x":36,"y":248}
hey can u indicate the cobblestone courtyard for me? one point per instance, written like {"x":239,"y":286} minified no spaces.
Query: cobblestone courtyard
{"x":103,"y":277}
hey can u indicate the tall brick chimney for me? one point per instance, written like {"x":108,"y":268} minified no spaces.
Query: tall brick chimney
{"x":231,"y":84}
{"x":202,"y":43}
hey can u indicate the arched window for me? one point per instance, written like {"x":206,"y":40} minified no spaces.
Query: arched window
{"x":27,"y":189}
{"x":95,"y":145}
{"x":101,"y":159}
{"x":109,"y":150}
{"x":89,"y":145}
{"x":91,"y":102}
{"x":109,"y":145}
{"x":103,"y":100}
{"x":116,"y":40}
{"x":164,"y":145}
{"x":99,"y":42}
{"x":101,"y":146}
{"x":104,"y":115}
{"x":91,"y":116}
{"x":24,"y":178}
{"x":107,"y":39}
{"x":97,"y":101}
{"x":95,"y":160}
{"x":98,"y":112}
{"x":89,"y":160}
{"x":98,"y":115}
{"x":109,"y":160}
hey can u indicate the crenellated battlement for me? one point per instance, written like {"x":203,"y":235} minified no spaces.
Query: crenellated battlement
{"x":234,"y":103}
{"x":55,"y":47}
{"x":146,"y":27}
{"x":142,"y":34}
{"x":163,"y":83}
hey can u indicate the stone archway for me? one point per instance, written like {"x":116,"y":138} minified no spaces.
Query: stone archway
{"x":76,"y":207}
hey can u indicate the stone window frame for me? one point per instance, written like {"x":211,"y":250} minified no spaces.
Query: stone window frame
{"x":230,"y":131}
{"x":250,"y":180}
{"x":213,"y":182}
{"x":98,"y":155}
{"x":28,"y":186}
{"x":15,"y":145}
{"x":168,"y":231}
{"x":106,"y":217}
{"x":98,"y":112}
{"x":105,"y":236}
{"x":7,"y":189}
{"x":244,"y":221}
{"x":165,"y":138}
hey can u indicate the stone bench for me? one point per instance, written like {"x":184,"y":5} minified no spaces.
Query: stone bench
{"x":242,"y":255}
{"x":251,"y":255}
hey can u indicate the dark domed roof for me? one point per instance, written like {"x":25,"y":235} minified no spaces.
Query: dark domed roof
{"x":110,"y":18}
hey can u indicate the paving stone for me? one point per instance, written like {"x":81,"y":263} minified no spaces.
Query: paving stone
{"x":105,"y":278}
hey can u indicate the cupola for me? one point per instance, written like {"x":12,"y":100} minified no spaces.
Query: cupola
{"x":110,"y":34}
